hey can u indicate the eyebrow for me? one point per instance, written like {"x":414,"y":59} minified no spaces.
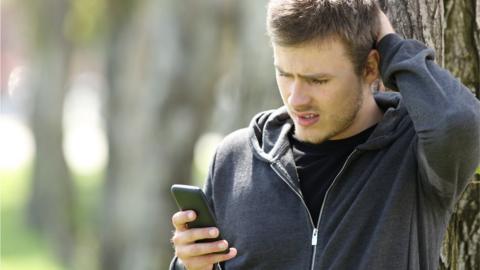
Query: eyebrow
{"x":307,"y":76}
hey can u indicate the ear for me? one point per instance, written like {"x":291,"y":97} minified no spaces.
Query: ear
{"x":371,"y":72}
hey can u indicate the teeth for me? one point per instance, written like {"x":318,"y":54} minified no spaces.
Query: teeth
{"x":308,"y":116}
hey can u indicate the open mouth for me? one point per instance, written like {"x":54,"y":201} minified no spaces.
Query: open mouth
{"x":307,"y":119}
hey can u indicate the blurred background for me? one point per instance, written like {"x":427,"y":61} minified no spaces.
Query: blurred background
{"x":106,"y":103}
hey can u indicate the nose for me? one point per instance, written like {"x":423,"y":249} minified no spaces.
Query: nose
{"x":298,"y":94}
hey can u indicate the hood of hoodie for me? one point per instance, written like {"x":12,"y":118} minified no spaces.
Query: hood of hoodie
{"x":269,"y":130}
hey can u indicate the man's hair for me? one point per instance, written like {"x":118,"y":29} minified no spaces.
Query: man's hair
{"x":297,"y":22}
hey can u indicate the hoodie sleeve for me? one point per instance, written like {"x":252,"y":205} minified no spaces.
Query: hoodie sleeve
{"x":445,"y":115}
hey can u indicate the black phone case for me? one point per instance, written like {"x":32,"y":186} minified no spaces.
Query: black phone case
{"x":192,"y":198}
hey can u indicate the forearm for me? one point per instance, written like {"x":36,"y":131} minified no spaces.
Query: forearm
{"x":445,"y":114}
{"x":429,"y":91}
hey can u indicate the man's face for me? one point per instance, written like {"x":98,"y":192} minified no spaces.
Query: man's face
{"x":320,"y":89}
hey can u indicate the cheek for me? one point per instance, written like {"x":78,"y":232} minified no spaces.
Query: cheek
{"x":333,"y":97}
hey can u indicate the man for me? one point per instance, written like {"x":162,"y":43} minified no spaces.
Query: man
{"x":340,"y":178}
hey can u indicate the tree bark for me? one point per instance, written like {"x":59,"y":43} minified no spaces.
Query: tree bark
{"x":50,"y":208}
{"x":452,"y":28}
{"x":462,"y":57}
{"x":421,"y":20}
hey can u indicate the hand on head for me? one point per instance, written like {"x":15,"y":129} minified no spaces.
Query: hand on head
{"x":385,"y":26}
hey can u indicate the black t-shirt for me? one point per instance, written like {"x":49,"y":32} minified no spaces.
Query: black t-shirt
{"x":318,"y":165}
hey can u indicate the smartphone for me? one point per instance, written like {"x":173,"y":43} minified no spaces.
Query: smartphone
{"x":192,"y":198}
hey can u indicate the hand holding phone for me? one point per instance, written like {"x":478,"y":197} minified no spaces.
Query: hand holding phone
{"x":192,"y":198}
{"x":197,"y":240}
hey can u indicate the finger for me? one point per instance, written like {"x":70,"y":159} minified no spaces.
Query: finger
{"x":200,"y":249}
{"x":191,"y":235}
{"x":180,"y":219}
{"x":381,"y":86}
{"x":208,"y":260}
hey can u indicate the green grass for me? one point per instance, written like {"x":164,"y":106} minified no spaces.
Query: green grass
{"x":24,"y":249}
{"x":30,"y":262}
{"x":21,"y":248}
{"x":87,"y":200}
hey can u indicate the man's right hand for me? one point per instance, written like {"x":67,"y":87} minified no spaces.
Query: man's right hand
{"x":385,"y":26}
{"x":197,"y":256}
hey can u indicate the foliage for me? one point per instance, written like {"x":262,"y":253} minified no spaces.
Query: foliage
{"x":84,"y":20}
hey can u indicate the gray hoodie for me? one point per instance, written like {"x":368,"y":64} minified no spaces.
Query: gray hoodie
{"x":389,"y":205}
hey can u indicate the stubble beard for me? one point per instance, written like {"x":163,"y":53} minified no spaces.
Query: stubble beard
{"x":339,"y":123}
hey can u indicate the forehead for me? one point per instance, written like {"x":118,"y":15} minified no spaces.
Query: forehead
{"x":316,"y":56}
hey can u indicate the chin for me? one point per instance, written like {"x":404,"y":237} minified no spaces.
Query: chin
{"x":310,"y":136}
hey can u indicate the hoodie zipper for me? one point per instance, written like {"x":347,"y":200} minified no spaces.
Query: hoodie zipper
{"x":323,"y":206}
{"x":283,"y":177}
{"x":315,"y":229}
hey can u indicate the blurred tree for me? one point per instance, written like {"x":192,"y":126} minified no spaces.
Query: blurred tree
{"x":162,"y":63}
{"x":452,"y":27}
{"x":50,"y":202}
{"x":248,"y":85}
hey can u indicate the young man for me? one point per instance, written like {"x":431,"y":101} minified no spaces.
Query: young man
{"x":340,"y":178}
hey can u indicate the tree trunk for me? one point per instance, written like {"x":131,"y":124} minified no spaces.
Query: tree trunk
{"x":421,"y":20}
{"x":452,"y":28}
{"x":51,"y":202}
{"x":161,"y":89}
{"x":462,"y":57}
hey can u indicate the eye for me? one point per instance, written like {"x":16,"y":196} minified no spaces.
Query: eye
{"x":315,"y":81}
{"x":280,"y":74}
